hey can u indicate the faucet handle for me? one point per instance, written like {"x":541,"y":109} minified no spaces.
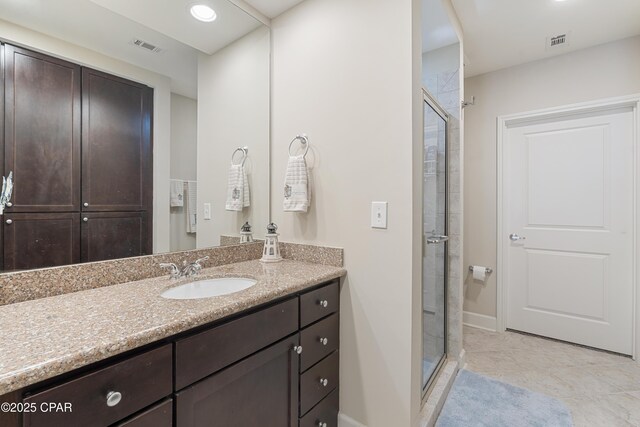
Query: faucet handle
{"x":198,"y":261}
{"x":175,"y":271}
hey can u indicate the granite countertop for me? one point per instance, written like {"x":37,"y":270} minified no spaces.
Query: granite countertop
{"x":46,"y":337}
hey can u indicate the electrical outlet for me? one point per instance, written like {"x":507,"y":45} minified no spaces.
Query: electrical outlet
{"x":207,"y":211}
{"x":378,"y":214}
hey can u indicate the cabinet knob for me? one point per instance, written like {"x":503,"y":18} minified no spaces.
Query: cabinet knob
{"x":324,"y":382}
{"x":113,"y":398}
{"x":85,"y":204}
{"x":298,"y":349}
{"x":323,"y":303}
{"x":324,"y":341}
{"x":85,"y":219}
{"x":9,"y":221}
{"x":9,"y":204}
{"x":321,"y":424}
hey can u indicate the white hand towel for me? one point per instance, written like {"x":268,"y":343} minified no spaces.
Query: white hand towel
{"x":246,"y":199}
{"x":191,"y":206}
{"x":296,"y":185}
{"x":237,"y":189}
{"x":176,"y":193}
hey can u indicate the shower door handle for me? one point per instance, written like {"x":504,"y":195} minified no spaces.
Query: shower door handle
{"x":432,"y":240}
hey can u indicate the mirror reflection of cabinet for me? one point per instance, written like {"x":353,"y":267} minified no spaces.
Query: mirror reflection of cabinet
{"x":77,"y":141}
{"x":112,"y":235}
{"x":42,"y":131}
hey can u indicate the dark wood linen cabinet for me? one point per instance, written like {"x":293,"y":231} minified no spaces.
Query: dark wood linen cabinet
{"x":77,"y":141}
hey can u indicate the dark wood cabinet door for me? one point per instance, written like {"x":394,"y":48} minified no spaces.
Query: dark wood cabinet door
{"x":40,"y":240}
{"x":111,"y":235}
{"x":116,"y":144}
{"x":260,"y":391}
{"x":42,"y":131}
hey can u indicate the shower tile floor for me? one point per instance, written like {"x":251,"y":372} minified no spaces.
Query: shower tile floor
{"x":601,"y":389}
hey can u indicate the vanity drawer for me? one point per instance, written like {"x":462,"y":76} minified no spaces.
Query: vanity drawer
{"x":312,"y":389}
{"x":203,"y":354}
{"x":160,"y":415}
{"x":326,"y":412}
{"x":140,"y":380}
{"x":317,"y":304}
{"x":319,"y":340}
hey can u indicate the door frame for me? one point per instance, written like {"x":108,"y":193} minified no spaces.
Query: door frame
{"x":503,"y":124}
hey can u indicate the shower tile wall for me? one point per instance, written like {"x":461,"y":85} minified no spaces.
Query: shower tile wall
{"x":444,"y":86}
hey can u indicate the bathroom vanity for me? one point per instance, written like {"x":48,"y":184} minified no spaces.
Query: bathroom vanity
{"x":274,"y":363}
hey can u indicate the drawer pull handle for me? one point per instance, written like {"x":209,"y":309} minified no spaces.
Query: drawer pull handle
{"x":324,"y":341}
{"x":9,"y":221}
{"x":323,"y":303}
{"x":321,"y":424}
{"x":298,"y":349}
{"x":9,"y":204}
{"x":324,"y":382}
{"x":113,"y":398}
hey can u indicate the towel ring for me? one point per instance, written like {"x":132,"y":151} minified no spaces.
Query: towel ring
{"x":244,"y":151}
{"x":303,"y":140}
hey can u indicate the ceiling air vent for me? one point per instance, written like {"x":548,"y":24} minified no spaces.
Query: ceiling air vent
{"x":146,"y":46}
{"x":560,"y":40}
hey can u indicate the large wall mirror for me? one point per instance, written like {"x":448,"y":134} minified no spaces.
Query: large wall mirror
{"x":130,"y":128}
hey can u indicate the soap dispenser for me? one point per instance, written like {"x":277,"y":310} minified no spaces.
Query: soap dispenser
{"x":245,"y":233}
{"x":271,"y":252}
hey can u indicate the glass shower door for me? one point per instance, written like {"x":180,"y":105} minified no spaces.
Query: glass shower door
{"x":434,"y":252}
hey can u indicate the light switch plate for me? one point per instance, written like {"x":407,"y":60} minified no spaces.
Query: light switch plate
{"x":207,"y":211}
{"x":378,"y":214}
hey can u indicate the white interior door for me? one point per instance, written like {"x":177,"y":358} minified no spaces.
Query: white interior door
{"x":569,"y":187}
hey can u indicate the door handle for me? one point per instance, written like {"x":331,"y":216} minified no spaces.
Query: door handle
{"x":514,"y":237}
{"x":432,"y":240}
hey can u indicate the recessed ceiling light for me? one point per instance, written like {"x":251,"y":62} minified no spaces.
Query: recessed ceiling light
{"x":203,"y":13}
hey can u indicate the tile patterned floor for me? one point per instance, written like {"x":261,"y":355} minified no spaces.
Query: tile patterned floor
{"x":601,"y":389}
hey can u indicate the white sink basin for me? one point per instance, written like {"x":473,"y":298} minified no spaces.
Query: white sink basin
{"x":209,"y":288}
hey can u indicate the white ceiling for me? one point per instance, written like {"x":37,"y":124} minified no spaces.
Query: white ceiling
{"x":437,"y":30}
{"x":503,"y":33}
{"x":109,"y":26}
{"x":172,"y":18}
{"x":273,"y":8}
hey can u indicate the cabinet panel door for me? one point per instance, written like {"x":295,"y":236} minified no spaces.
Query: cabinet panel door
{"x":40,"y":240}
{"x":111,"y":235}
{"x":261,"y":390}
{"x":116,"y":143}
{"x":42,"y":131}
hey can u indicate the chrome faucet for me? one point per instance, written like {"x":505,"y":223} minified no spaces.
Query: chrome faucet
{"x":188,"y":270}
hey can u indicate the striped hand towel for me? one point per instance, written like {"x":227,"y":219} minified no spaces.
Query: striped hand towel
{"x":296,"y":185}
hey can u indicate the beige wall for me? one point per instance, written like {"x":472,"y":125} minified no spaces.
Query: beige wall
{"x":184,"y":153}
{"x":343,"y":73}
{"x":233,"y":111}
{"x":600,"y":72}
{"x":161,"y":110}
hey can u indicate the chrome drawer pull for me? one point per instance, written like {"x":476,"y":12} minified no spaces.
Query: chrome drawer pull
{"x":324,"y":382}
{"x":324,"y":341}
{"x":298,"y":349}
{"x":113,"y":398}
{"x":323,"y":303}
{"x":321,"y":424}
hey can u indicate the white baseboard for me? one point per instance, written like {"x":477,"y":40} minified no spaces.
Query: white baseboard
{"x":479,"y":321}
{"x":345,"y":421}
